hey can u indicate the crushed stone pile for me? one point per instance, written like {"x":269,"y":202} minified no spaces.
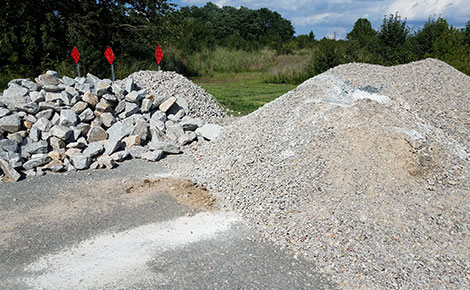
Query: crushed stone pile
{"x":363,"y":169}
{"x":199,"y":103}
{"x":64,"y":124}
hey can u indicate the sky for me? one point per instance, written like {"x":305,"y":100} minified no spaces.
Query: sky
{"x":337,"y":17}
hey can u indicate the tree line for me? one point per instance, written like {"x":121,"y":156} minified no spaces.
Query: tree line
{"x":39,"y":35}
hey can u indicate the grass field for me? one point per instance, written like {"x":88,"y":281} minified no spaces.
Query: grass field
{"x":242,"y":92}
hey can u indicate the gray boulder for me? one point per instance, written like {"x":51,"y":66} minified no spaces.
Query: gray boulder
{"x":10,"y":123}
{"x":165,"y":147}
{"x":9,"y":171}
{"x":8,"y":145}
{"x":96,"y":133}
{"x":36,"y":161}
{"x":210,"y":131}
{"x":94,"y":149}
{"x":81,"y":161}
{"x":152,"y":155}
{"x":61,"y":132}
{"x":68,"y":118}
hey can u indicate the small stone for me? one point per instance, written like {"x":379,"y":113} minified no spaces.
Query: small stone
{"x":153,"y":155}
{"x":90,"y":99}
{"x":131,"y":108}
{"x":130,"y":141}
{"x":45,"y":114}
{"x":37,"y":97}
{"x":43,"y":124}
{"x":55,"y":155}
{"x":166,"y":105}
{"x":146,"y":105}
{"x":115,"y":134}
{"x":35,"y":134}
{"x":120,"y":155}
{"x":137,"y":151}
{"x":165,"y":147}
{"x":56,"y":143}
{"x":133,"y":97}
{"x":28,"y":124}
{"x":121,"y":107}
{"x":107,"y":119}
{"x":106,"y":161}
{"x":102,"y":107}
{"x":30,"y":108}
{"x":79,"y":107}
{"x":52,"y":97}
{"x":17,"y":136}
{"x":87,"y":115}
{"x":102,"y":88}
{"x":129,"y":85}
{"x":55,"y":166}
{"x":9,"y":171}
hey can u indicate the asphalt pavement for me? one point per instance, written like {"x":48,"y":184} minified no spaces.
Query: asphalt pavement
{"x":128,"y":228}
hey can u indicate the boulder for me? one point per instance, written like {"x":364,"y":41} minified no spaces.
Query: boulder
{"x":107,"y":119}
{"x":87,"y":115}
{"x":106,"y":161}
{"x":94,"y":149}
{"x":90,"y":99}
{"x":152,"y":155}
{"x":137,"y":151}
{"x":80,"y":161}
{"x":166,"y":105}
{"x":61,"y":132}
{"x":9,"y":171}
{"x":68,"y":118}
{"x":165,"y":147}
{"x":36,"y":161}
{"x":10,"y":123}
{"x":210,"y":131}
{"x":96,"y":133}
{"x":115,"y":134}
{"x":8,"y":145}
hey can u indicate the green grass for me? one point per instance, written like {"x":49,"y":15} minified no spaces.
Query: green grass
{"x":242,"y":92}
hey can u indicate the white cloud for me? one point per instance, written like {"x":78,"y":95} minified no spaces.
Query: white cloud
{"x":326,"y":16}
{"x":422,"y":9}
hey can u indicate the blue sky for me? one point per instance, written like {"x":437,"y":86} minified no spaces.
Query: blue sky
{"x":326,"y":18}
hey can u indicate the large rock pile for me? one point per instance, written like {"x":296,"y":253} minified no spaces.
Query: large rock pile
{"x":363,"y":169}
{"x":62,"y":124}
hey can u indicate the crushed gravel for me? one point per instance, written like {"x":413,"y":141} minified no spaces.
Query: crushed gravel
{"x":363,"y":169}
{"x":166,"y":83}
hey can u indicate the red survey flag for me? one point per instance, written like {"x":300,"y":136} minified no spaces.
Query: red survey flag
{"x":158,"y":54}
{"x":75,"y":54}
{"x":109,"y":55}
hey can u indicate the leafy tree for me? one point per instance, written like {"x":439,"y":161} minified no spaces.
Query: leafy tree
{"x":392,"y":36}
{"x":433,"y":30}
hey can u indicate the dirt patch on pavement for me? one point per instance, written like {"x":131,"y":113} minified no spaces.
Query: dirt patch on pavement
{"x":184,"y":191}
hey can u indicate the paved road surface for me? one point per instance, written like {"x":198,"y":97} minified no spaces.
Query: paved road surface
{"x":129,"y":228}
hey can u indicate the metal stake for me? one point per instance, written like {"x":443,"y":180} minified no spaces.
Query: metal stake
{"x":112,"y":71}
{"x":78,"y":69}
{"x":158,"y":67}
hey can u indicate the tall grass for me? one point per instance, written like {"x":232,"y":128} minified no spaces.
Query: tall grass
{"x":224,"y":59}
{"x":291,"y":68}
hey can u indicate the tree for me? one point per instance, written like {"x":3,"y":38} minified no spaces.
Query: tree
{"x":392,"y":37}
{"x":432,"y":30}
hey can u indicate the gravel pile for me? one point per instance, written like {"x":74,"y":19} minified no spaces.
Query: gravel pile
{"x":200,"y":103}
{"x":364,"y":169}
